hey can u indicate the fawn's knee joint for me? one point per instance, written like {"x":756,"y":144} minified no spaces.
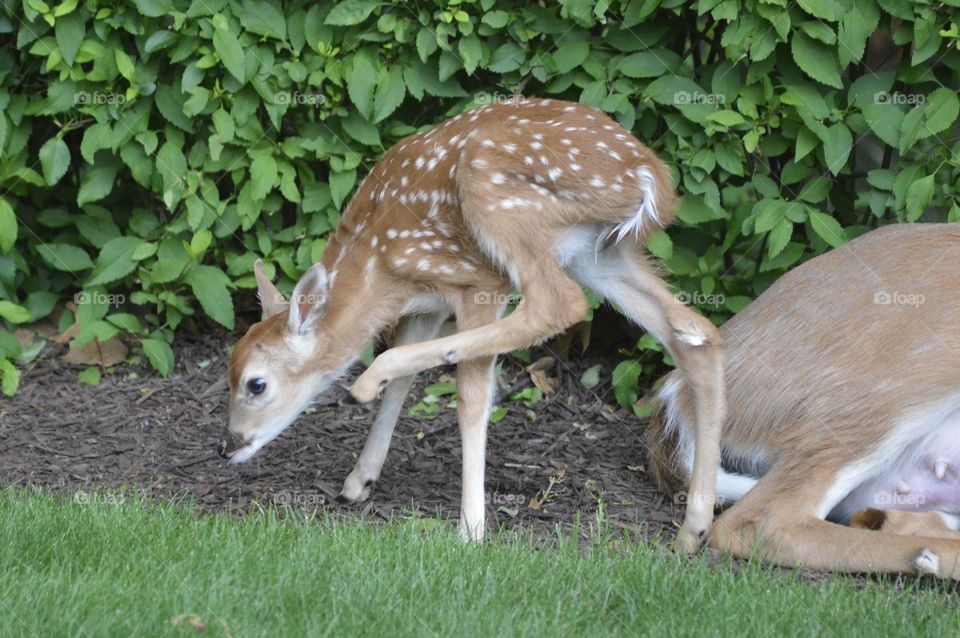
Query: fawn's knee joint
{"x":694,"y":330}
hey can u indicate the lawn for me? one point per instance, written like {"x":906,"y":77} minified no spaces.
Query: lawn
{"x":103,"y":565}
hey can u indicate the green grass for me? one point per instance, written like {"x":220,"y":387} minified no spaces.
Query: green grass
{"x":131,"y":568}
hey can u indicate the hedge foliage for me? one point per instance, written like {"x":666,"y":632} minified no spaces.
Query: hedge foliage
{"x":151,"y":150}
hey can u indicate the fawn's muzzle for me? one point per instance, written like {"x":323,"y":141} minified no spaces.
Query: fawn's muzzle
{"x":229,"y":444}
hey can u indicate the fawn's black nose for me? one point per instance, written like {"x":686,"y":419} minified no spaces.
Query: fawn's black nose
{"x":229,"y":444}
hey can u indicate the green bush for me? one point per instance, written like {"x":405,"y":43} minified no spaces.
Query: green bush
{"x":150,"y":151}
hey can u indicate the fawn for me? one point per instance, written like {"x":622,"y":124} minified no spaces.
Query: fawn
{"x":844,"y":409}
{"x":537,"y":195}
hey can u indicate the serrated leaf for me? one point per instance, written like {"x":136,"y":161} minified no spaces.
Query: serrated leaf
{"x":837,"y":146}
{"x":828,"y":228}
{"x":389,"y":94}
{"x":65,"y":257}
{"x":210,"y":287}
{"x":426,"y":43}
{"x":69,"y":31}
{"x":570,"y":56}
{"x":97,"y":182}
{"x":361,"y":83}
{"x":159,"y":354}
{"x":779,"y":237}
{"x":96,"y":137}
{"x":263,"y":176}
{"x":231,"y":54}
{"x":115,"y":261}
{"x":54,"y":160}
{"x":919,"y":195}
{"x":816,"y":60}
{"x":940,"y":111}
{"x":470,"y":53}
{"x":350,"y":12}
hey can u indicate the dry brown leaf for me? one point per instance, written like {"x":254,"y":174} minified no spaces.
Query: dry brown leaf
{"x":538,"y":374}
{"x":105,"y":354}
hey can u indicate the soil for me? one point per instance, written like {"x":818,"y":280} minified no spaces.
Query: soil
{"x":158,"y":437}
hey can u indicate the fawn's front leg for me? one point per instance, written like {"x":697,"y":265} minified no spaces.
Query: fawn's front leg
{"x":475,"y":390}
{"x":358,"y":484}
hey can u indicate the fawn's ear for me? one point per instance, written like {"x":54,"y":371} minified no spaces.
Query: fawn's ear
{"x":271,"y":301}
{"x":308,"y":303}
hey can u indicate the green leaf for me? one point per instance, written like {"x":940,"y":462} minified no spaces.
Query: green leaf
{"x":816,"y":60}
{"x":90,"y":376}
{"x":8,"y":226}
{"x":779,"y":238}
{"x":350,"y":12}
{"x":231,"y":54}
{"x":660,"y":245}
{"x":124,"y":64}
{"x":837,"y":146}
{"x":13,"y":312}
{"x":856,"y":27}
{"x":828,"y":228}
{"x":10,"y":377}
{"x":96,"y":137}
{"x":940,"y":111}
{"x":695,"y":210}
{"x":159,"y":354}
{"x":210,"y":287}
{"x":389,"y":93}
{"x":919,"y":195}
{"x":125,"y":321}
{"x":470,"y":53}
{"x":97,"y":182}
{"x":625,"y":377}
{"x":361,"y":82}
{"x":426,"y":43}
{"x":263,"y":175}
{"x":591,"y":377}
{"x":65,"y":257}
{"x":115,"y":261}
{"x":884,"y":119}
{"x":643,"y":64}
{"x":263,"y":18}
{"x":823,"y":9}
{"x":570,"y":56}
{"x":69,"y":32}
{"x":54,"y":159}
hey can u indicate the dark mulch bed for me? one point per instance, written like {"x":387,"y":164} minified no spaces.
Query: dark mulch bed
{"x":136,"y":430}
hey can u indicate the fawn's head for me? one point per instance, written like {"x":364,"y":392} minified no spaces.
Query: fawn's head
{"x":273,"y":371}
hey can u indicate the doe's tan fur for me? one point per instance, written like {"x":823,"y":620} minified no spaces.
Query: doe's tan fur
{"x":841,"y":380}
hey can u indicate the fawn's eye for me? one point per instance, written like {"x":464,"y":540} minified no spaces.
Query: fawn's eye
{"x":256,"y":386}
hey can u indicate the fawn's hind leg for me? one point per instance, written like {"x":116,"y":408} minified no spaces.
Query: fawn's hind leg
{"x":620,"y":274}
